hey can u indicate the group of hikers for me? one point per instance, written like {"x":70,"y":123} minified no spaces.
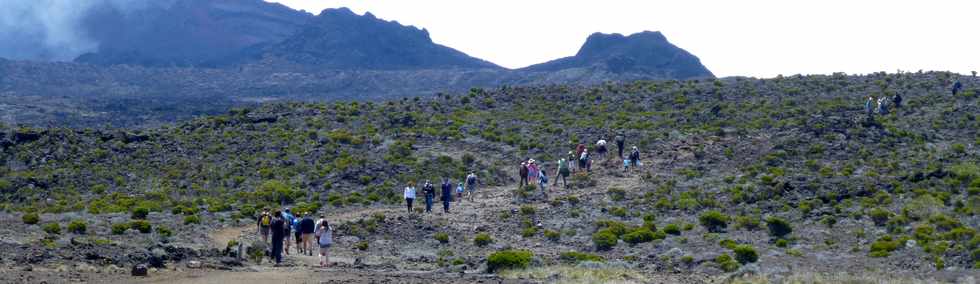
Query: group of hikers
{"x":308,"y":234}
{"x":466,"y":188}
{"x":880,"y":106}
{"x":530,"y":172}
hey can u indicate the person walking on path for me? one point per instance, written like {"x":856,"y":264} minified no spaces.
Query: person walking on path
{"x":298,"y":232}
{"x":583,"y":161}
{"x":956,"y":87}
{"x":869,"y":107}
{"x":532,"y":171}
{"x":324,"y":238}
{"x":562,"y":173}
{"x":278,"y":228}
{"x":578,"y":154}
{"x":288,"y":217}
{"x":430,"y":193}
{"x":634,"y":159}
{"x":459,"y":192}
{"x":447,"y":194}
{"x":601,"y":148}
{"x":471,"y":185}
{"x":309,"y":227}
{"x":543,"y":182}
{"x":409,"y":196}
{"x":882,"y":105}
{"x":265,"y":220}
{"x":897,"y":100}
{"x":522,"y":171}
{"x":620,"y":143}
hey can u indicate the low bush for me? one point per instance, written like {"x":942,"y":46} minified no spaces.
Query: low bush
{"x":30,"y":218}
{"x":778,"y":227}
{"x":642,"y":235}
{"x":604,"y":239}
{"x":52,"y":228}
{"x":142,"y":226}
{"x":77,"y":227}
{"x":745,"y":254}
{"x":442,"y":238}
{"x":573,"y":257}
{"x":140,"y":213}
{"x":714,"y":221}
{"x":883,"y":247}
{"x":508,"y":259}
{"x":119,"y":228}
{"x":552,"y":235}
{"x":482,"y":240}
{"x":880,"y":216}
{"x":726,"y":263}
{"x":192,"y":219}
{"x":672,"y":229}
{"x":362,"y":245}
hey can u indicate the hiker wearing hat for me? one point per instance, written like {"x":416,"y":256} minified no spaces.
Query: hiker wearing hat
{"x":601,"y":148}
{"x":583,"y":161}
{"x":265,"y":220}
{"x":532,"y":172}
{"x":634,"y":159}
{"x":522,"y":171}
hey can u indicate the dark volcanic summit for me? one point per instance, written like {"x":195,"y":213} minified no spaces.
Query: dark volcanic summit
{"x":341,"y":39}
{"x":645,"y":53}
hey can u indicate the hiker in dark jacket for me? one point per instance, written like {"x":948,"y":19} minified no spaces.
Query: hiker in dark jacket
{"x":308,"y":227}
{"x":278,"y":228}
{"x":430,"y":193}
{"x":447,"y":194}
{"x":620,"y":143}
{"x":956,"y":87}
{"x":634,"y":159}
{"x":897,"y":100}
{"x":522,"y":171}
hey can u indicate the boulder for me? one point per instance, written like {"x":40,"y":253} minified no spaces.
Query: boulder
{"x":193,"y":264}
{"x":140,"y":270}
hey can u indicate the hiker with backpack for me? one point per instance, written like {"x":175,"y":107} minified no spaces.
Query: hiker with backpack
{"x":584,"y":161}
{"x":522,"y":171}
{"x":882,"y":107}
{"x":298,"y":232}
{"x":324,"y":239}
{"x":409,"y":196}
{"x":288,"y":218}
{"x":634,"y":160}
{"x":956,"y":87}
{"x":869,"y":106}
{"x":447,"y":194}
{"x":579,"y":149}
{"x":459,"y":192}
{"x":264,"y":221}
{"x":278,"y":228}
{"x":600,"y":147}
{"x":897,"y":100}
{"x":471,"y":185}
{"x":532,"y":172}
{"x":620,"y":143}
{"x":309,"y":227}
{"x":543,"y":180}
{"x":430,"y":193}
{"x":562,"y":173}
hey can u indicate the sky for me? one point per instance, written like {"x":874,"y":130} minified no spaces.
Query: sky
{"x":732,"y":38}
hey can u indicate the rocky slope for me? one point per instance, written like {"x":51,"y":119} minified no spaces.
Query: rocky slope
{"x":740,"y":176}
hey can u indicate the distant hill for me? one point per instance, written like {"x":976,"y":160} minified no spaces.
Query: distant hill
{"x":340,"y":39}
{"x":186,"y":32}
{"x":645,"y":53}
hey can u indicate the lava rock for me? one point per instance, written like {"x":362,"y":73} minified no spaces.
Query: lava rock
{"x":140,"y":270}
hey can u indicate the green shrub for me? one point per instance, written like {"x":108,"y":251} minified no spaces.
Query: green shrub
{"x":573,"y":257}
{"x":482,"y":240}
{"x":529,"y":232}
{"x":618,"y":212}
{"x":192,"y":219}
{"x":745,"y":254}
{"x":77,"y":227}
{"x":727,"y":243}
{"x":442,"y":238}
{"x":30,"y":218}
{"x":880,"y":216}
{"x":140,"y":213}
{"x":883,"y":247}
{"x":747,"y":222}
{"x":616,"y":227}
{"x":726,"y":263}
{"x":508,"y":259}
{"x":119,"y":228}
{"x":362,"y":245}
{"x":552,"y":235}
{"x":672,"y":229}
{"x":164,"y":231}
{"x":52,"y":228}
{"x":642,"y":235}
{"x":778,"y":227}
{"x":714,"y":221}
{"x":782,"y":243}
{"x":528,"y":210}
{"x":604,"y":239}
{"x":142,"y":226}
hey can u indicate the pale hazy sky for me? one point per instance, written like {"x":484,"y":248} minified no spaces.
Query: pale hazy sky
{"x":751,"y":38}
